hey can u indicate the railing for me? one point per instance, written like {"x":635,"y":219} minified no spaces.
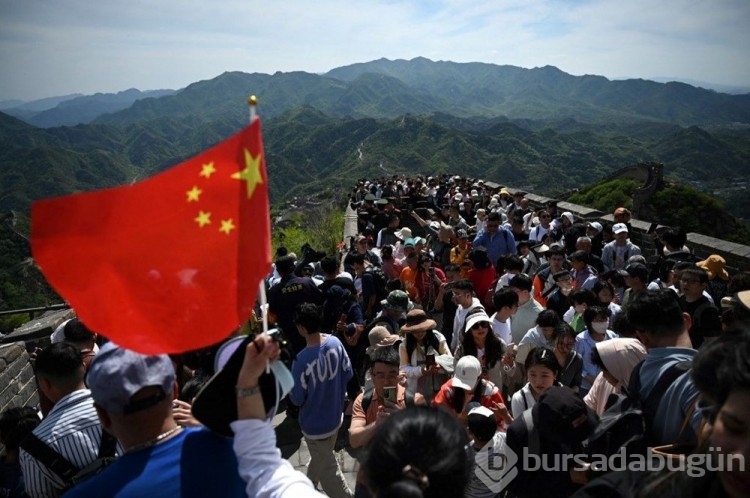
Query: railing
{"x":38,"y":309}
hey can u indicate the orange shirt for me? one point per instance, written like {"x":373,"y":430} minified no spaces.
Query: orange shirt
{"x":377,"y":401}
{"x":489,"y":396}
{"x":408,"y":280}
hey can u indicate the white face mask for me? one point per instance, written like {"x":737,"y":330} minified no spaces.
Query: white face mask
{"x":599,"y":327}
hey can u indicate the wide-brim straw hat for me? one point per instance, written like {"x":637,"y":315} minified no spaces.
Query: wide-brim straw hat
{"x":418,"y":321}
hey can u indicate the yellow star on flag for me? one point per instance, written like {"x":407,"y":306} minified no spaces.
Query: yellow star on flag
{"x":208,"y":169}
{"x":194,"y":194}
{"x":203,"y":219}
{"x":227,"y":226}
{"x":251,"y":174}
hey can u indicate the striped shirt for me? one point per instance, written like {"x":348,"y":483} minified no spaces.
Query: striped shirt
{"x":72,"y":429}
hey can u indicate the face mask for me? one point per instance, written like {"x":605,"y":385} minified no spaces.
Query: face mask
{"x":599,"y":327}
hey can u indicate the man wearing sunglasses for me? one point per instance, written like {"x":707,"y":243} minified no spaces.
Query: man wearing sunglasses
{"x":540,"y":231}
{"x":498,"y":241}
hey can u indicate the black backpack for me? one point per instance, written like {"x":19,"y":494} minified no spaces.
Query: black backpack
{"x":381,"y":282}
{"x":367,"y":399}
{"x":627,"y":422}
{"x":69,"y":473}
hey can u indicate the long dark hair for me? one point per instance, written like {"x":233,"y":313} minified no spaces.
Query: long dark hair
{"x":430,"y":339}
{"x":493,"y":347}
{"x":456,"y":396}
{"x":423,"y":256}
{"x":418,"y":451}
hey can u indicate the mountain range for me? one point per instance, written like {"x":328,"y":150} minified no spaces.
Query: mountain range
{"x":70,"y":110}
{"x":540,"y":129}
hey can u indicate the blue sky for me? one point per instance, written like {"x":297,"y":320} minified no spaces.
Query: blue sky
{"x":57,"y":47}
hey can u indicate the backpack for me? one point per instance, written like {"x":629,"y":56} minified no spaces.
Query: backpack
{"x":367,"y":399}
{"x":381,"y":282}
{"x":69,"y":473}
{"x":627,"y":422}
{"x":489,"y":295}
{"x":534,"y":441}
{"x":383,"y":320}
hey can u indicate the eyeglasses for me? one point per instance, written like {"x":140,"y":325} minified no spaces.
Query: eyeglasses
{"x":361,"y":242}
{"x":493,"y":225}
{"x":484,"y":325}
{"x":545,"y":217}
{"x":385,"y":376}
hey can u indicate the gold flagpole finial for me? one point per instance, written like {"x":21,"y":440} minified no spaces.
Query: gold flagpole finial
{"x":252,"y":101}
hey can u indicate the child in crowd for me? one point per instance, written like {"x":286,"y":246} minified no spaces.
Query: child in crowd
{"x":542,"y":369}
{"x":582,"y":299}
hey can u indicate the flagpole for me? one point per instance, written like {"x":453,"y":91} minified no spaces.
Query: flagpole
{"x":252,"y":101}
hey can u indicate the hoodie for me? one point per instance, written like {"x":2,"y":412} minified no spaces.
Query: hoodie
{"x":620,"y":356}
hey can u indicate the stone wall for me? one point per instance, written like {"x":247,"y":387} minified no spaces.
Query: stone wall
{"x":644,"y":235}
{"x":17,"y":382}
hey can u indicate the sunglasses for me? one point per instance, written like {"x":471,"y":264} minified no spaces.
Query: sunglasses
{"x":484,"y":325}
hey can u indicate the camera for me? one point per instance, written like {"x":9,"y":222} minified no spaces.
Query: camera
{"x":275,"y":336}
{"x":389,"y":394}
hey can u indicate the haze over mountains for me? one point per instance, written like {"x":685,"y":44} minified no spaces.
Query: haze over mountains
{"x":539,"y":128}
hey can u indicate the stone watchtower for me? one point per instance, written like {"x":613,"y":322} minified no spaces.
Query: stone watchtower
{"x":653,"y":183}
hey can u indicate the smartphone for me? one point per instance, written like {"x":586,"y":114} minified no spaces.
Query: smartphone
{"x":430,"y":360}
{"x":389,"y":394}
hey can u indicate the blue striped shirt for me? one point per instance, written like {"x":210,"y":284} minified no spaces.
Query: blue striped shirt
{"x":72,"y":429}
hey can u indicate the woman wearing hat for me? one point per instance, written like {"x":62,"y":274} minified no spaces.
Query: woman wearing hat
{"x":479,"y":341}
{"x":467,"y":386}
{"x":422,"y":341}
{"x":718,"y":278}
{"x":428,"y":281}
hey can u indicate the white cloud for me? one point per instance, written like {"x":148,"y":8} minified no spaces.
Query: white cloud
{"x":52,"y":48}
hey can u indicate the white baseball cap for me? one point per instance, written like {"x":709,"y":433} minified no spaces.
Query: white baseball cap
{"x":468,"y":370}
{"x":619,"y":228}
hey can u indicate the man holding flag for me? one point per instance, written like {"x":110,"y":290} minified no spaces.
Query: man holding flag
{"x":166,"y":265}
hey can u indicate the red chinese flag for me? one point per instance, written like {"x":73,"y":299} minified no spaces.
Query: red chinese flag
{"x":168,"y":264}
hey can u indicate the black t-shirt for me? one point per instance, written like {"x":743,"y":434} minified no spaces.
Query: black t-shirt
{"x":344,"y":282}
{"x":706,"y":319}
{"x":283,"y":299}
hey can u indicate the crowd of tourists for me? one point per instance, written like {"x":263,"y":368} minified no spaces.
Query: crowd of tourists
{"x":460,"y":335}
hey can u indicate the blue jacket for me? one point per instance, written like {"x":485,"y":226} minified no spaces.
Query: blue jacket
{"x":320,"y":376}
{"x":609,"y":255}
{"x":584,"y":345}
{"x":676,"y":402}
{"x":497,"y":244}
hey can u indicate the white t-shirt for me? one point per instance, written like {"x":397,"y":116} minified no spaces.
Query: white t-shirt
{"x":502,"y":329}
{"x":522,"y":400}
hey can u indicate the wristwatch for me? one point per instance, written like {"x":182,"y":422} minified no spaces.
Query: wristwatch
{"x":245,"y":392}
